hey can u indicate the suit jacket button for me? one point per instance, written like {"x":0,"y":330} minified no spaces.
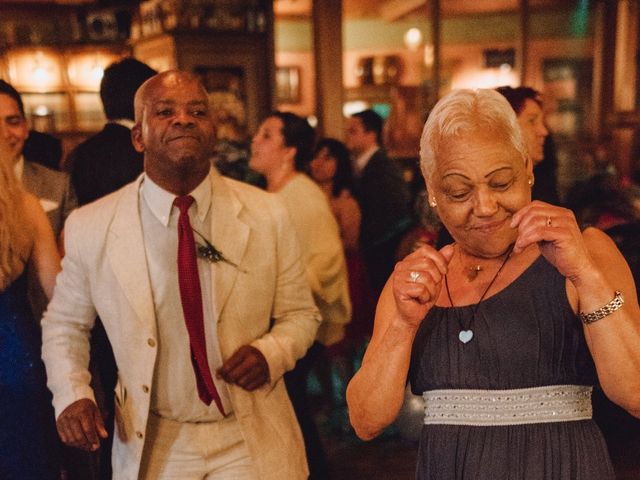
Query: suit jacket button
{"x":151,"y":342}
{"x":145,"y":389}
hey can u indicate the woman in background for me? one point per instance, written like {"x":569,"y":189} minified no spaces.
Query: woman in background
{"x":27,"y":425}
{"x":281,"y":151}
{"x":331,"y":169}
{"x":527,"y":103}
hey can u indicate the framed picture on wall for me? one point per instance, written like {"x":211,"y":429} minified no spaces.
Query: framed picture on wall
{"x":567,"y":94}
{"x":287,"y":84}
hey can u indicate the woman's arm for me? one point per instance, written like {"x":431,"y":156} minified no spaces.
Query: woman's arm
{"x":45,"y":256}
{"x":614,"y":341}
{"x":595,"y":269}
{"x":376,"y":392}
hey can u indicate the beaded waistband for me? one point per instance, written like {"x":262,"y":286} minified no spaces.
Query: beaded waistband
{"x":554,"y":403}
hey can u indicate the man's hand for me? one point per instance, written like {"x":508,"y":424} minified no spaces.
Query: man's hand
{"x":246,"y":368}
{"x":80,"y":425}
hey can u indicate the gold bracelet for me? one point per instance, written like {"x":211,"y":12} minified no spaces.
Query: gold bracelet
{"x":603,"y":311}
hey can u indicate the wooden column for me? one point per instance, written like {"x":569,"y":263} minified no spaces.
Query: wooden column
{"x":327,"y":43}
{"x":436,"y":22}
{"x":625,"y":119}
{"x":522,"y":53}
{"x":603,"y":62}
{"x":624,"y":94}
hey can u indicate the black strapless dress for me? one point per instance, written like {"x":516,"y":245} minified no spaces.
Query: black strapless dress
{"x":28,"y":444}
{"x":524,"y":336}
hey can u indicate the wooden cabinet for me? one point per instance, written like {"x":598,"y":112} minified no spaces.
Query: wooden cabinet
{"x":60,"y":85}
{"x":230,"y":47}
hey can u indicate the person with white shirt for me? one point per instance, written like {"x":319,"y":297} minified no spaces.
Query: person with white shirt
{"x":201,"y":291}
{"x":382,"y":193}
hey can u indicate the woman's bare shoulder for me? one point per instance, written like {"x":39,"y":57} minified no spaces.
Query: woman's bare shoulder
{"x":33,"y":209}
{"x":598,"y":241}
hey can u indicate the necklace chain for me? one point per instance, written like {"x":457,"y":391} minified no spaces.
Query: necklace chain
{"x":466,"y":328}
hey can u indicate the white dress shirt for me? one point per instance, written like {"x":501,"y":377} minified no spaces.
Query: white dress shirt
{"x":123,"y":122}
{"x":361,"y":161}
{"x":175,"y":394}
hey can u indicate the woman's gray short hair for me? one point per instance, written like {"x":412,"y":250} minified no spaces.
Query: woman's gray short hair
{"x":463,"y":112}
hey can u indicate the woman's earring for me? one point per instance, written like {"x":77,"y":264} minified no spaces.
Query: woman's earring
{"x":433,"y":203}
{"x":531,"y":181}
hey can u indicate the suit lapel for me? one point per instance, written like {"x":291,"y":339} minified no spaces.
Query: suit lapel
{"x":126,"y":253}
{"x":30,"y":180}
{"x":229,"y":235}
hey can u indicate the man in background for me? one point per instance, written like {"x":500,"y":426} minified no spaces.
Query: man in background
{"x":106,"y":161}
{"x":50,"y":186}
{"x":43,"y":148}
{"x":382,"y":193}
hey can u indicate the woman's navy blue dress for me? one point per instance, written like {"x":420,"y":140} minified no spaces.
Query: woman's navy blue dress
{"x":524,"y":336}
{"x":28,"y":444}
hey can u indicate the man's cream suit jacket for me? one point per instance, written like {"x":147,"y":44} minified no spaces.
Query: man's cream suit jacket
{"x":264,"y":302}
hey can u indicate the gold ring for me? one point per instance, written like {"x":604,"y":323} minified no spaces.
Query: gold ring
{"x":548,"y":221}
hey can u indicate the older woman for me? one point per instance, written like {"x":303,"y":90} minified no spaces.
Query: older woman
{"x":27,"y":425}
{"x":504,"y":331}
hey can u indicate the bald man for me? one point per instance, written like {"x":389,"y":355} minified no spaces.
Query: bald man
{"x":201,"y":343}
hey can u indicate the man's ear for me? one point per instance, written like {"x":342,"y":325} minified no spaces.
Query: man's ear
{"x":136,"y":138}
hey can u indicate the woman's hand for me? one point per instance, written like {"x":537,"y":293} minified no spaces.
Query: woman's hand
{"x":558,"y":236}
{"x":417,"y":282}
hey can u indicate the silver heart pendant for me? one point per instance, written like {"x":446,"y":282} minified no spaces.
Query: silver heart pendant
{"x":465,"y":336}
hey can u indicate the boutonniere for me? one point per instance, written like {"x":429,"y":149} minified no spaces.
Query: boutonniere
{"x":207,"y":251}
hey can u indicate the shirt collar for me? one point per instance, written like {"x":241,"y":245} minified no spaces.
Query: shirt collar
{"x":124,"y":122}
{"x":160,"y":201}
{"x":18,"y":168}
{"x":362,"y":160}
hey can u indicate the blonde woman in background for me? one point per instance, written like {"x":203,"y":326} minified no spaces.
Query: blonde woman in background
{"x":27,"y":424}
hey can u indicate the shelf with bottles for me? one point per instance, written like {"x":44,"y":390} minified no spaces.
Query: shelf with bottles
{"x":162,"y":16}
{"x":60,"y":86}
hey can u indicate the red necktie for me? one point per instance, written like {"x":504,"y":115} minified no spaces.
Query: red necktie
{"x":191,"y":297}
